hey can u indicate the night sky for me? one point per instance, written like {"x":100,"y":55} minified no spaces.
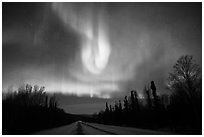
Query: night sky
{"x":96,"y":49}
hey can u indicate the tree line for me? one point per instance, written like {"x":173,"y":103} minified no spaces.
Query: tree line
{"x":180,"y":111}
{"x":30,"y":109}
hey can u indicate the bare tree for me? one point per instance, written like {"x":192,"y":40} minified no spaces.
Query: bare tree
{"x":186,"y":82}
{"x":186,"y":75}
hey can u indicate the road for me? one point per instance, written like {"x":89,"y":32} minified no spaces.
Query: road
{"x":84,"y":128}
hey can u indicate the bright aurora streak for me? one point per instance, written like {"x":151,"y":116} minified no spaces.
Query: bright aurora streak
{"x":96,"y":51}
{"x":95,"y":45}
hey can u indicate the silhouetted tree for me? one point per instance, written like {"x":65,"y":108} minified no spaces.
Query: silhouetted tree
{"x":154,"y":94}
{"x":185,"y":82}
{"x":180,"y":111}
{"x":116,"y":107}
{"x":110,"y":109}
{"x":26,"y":111}
{"x":186,"y":75}
{"x":46,"y":101}
{"x":133,"y":103}
{"x":136,"y":100}
{"x":107,"y":109}
{"x":149,"y":102}
{"x":126,"y":104}
{"x":120,"y":106}
{"x":53,"y":103}
{"x":153,"y":88}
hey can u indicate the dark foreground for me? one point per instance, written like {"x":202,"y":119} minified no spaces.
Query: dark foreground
{"x":84,"y":128}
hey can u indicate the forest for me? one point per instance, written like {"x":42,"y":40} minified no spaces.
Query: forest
{"x":31,"y":109}
{"x":178,"y":112}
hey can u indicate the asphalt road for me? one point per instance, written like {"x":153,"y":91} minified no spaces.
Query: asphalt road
{"x":83,"y":128}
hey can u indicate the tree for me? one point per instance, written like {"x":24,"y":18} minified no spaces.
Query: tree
{"x":107,"y":109}
{"x":154,"y":94}
{"x":120,"y":106}
{"x":133,"y":105}
{"x":186,"y":82}
{"x":136,"y":100}
{"x":148,"y":98}
{"x":153,"y":88}
{"x":186,"y":75}
{"x":110,"y":109}
{"x":126,"y":104}
{"x":24,"y":109}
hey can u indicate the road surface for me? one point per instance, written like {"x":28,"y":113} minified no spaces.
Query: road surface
{"x":84,"y":128}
